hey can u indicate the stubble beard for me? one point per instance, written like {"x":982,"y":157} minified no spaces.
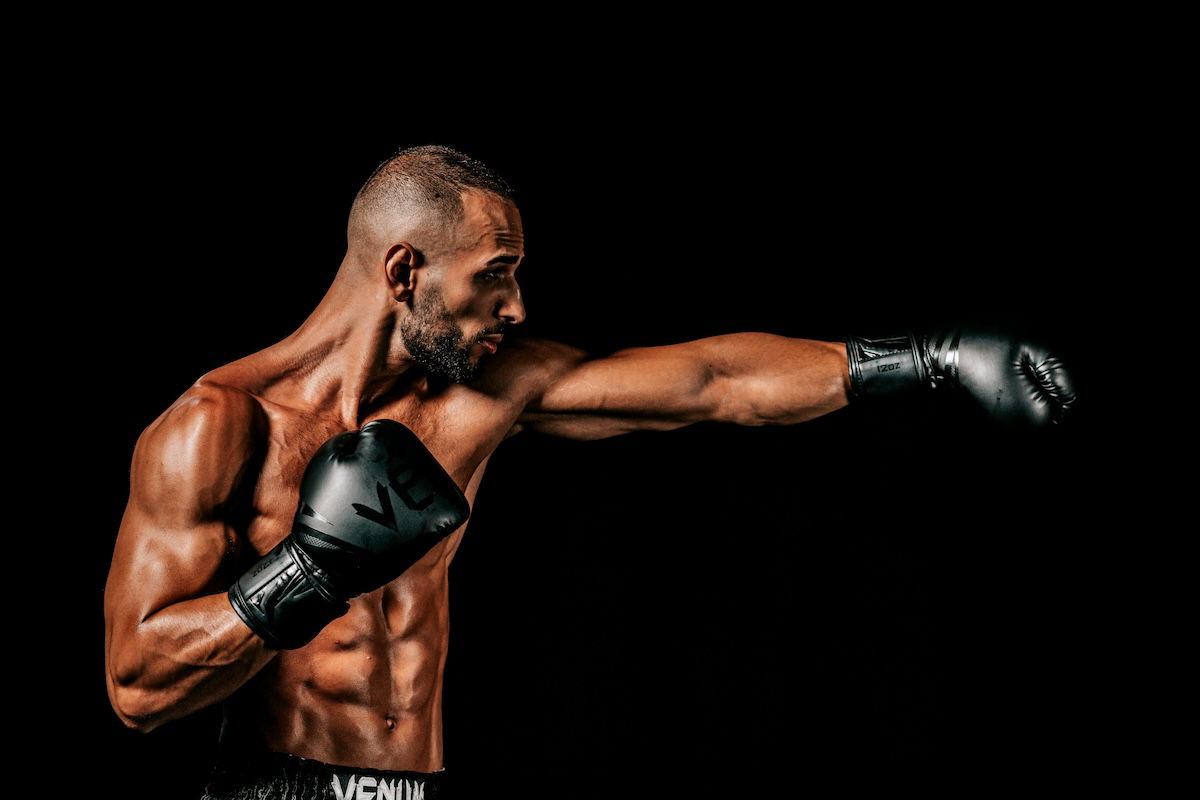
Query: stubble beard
{"x":435,"y":341}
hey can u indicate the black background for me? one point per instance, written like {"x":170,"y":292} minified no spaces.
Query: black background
{"x":865,"y":594}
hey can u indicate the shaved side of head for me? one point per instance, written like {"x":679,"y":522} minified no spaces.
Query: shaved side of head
{"x":416,"y":196}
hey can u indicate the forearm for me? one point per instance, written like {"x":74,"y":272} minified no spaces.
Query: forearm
{"x":766,"y":379}
{"x":181,"y":659}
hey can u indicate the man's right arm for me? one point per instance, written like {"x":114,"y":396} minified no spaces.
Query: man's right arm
{"x":173,"y":643}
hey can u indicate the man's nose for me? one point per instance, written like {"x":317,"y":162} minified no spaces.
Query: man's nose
{"x":512,"y":308}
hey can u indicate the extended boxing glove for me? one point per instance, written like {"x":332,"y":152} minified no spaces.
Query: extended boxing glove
{"x":1019,"y":383}
{"x":372,"y":502}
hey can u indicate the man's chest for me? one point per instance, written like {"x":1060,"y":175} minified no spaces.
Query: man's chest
{"x":461,"y":435}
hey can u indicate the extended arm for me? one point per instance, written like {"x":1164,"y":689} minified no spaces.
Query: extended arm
{"x":173,"y":644}
{"x":742,"y":378}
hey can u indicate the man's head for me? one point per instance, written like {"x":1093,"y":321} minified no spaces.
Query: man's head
{"x":439,"y":230}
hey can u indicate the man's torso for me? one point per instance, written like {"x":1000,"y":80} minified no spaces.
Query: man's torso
{"x":367,"y":691}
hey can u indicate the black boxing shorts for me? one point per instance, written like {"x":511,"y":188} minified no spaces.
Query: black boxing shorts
{"x":281,"y":776}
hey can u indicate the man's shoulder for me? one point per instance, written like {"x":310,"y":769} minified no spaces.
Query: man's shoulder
{"x":210,"y":414}
{"x":217,"y":401}
{"x":543,"y":356}
{"x":198,"y":449}
{"x":525,"y":365}
{"x":546,"y":349}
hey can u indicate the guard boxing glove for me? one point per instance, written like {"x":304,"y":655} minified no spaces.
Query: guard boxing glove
{"x":372,"y":502}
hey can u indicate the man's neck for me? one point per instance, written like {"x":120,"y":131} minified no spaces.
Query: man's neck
{"x":339,"y":363}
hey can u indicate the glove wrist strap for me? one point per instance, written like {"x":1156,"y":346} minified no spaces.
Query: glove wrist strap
{"x":888,"y":365}
{"x":284,"y":598}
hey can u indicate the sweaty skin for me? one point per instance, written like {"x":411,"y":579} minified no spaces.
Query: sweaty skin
{"x":214,"y":483}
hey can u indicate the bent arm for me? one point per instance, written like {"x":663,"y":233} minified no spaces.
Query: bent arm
{"x":741,"y":378}
{"x":173,"y":643}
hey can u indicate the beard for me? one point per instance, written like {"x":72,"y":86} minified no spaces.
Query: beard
{"x":435,"y":341}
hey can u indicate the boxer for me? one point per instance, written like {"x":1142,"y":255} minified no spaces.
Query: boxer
{"x":292,"y":515}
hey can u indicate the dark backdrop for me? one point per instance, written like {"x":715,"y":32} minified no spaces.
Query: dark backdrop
{"x":862,"y":594}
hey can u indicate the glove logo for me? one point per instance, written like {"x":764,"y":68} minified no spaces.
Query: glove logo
{"x":401,"y":490}
{"x":385,"y":515}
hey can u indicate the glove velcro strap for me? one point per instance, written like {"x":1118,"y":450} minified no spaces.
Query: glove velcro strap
{"x":942,"y":349}
{"x":284,"y":598}
{"x":885,"y":365}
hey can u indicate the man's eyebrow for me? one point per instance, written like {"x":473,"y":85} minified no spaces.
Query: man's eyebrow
{"x":504,"y":260}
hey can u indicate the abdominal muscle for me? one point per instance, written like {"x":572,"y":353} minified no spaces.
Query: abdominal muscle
{"x":367,"y":691}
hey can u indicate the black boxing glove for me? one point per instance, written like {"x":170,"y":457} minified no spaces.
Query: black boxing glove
{"x":372,"y":502}
{"x":1019,"y":383}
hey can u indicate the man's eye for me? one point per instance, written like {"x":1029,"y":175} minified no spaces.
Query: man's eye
{"x":491,"y":275}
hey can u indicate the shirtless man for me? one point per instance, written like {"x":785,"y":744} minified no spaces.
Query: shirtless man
{"x":412,"y":330}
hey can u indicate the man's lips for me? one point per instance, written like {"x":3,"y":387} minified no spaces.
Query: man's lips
{"x":491,"y":342}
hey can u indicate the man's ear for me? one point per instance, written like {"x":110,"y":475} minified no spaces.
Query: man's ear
{"x":400,"y":265}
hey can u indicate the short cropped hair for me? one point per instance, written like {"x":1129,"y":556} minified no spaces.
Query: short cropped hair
{"x":429,"y":178}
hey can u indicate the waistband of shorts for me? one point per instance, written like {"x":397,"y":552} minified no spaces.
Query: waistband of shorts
{"x":288,"y":773}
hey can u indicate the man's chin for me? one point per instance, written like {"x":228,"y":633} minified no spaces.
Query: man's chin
{"x":460,"y":373}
